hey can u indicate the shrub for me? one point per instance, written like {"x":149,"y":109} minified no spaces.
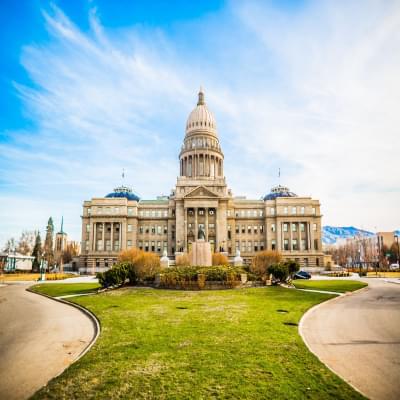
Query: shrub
{"x":182,"y":260}
{"x":279,"y":272}
{"x":115,"y":276}
{"x":263,"y":260}
{"x":129,"y":255}
{"x":293,"y":266}
{"x":145,"y":267}
{"x":219,"y":259}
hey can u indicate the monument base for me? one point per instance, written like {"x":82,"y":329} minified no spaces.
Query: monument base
{"x":200,"y":254}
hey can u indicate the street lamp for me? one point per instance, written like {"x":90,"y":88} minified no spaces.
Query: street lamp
{"x":398,"y":249}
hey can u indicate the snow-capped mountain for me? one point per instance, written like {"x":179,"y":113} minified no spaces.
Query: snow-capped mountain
{"x":330,"y":234}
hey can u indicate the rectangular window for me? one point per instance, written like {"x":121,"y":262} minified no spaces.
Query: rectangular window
{"x":261,"y":213}
{"x":130,"y":211}
{"x":116,"y":245}
{"x":255,"y":229}
{"x":87,"y":227}
{"x":314,"y":227}
{"x":228,"y":213}
{"x":261,"y":228}
{"x":141,"y":213}
{"x":273,"y":228}
{"x":153,"y":230}
{"x":254,"y":213}
{"x":249,"y":229}
{"x":294,"y":227}
{"x":302,"y":227}
{"x":285,"y":210}
{"x":146,"y":246}
{"x":165,"y":229}
{"x":285,"y":227}
{"x":87,"y":245}
{"x":294,"y":244}
{"x":100,"y":245}
{"x":304,"y":244}
{"x":294,"y":210}
{"x":201,"y":212}
{"x":255,"y":246}
{"x":153,"y":246}
{"x":159,"y":229}
{"x":129,"y":228}
{"x":272,"y":210}
{"x":273,"y":244}
{"x":140,"y":245}
{"x":286,"y":244}
{"x":314,"y":210}
{"x":129,"y":243}
{"x":262,"y":245}
{"x":158,"y":213}
{"x":146,"y":229}
{"x":315,"y":244}
{"x":229,"y":233}
{"x":243,"y":228}
{"x":165,"y":244}
{"x":237,"y":245}
{"x":147,"y":213}
{"x":305,"y":260}
{"x":249,"y":246}
{"x":99,"y":210}
{"x":243,"y":247}
{"x":249,"y":213}
{"x":165,"y":213}
{"x":89,"y":211}
{"x":237,"y":228}
{"x":158,"y":247}
{"x":140,"y":229}
{"x":116,"y":209}
{"x":302,"y":210}
{"x":108,"y":245}
{"x":153,"y":213}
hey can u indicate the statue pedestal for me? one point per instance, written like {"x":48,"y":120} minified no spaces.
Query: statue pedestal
{"x":200,"y":254}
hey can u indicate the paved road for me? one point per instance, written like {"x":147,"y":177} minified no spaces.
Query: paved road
{"x":358,"y":337}
{"x":39,"y":338}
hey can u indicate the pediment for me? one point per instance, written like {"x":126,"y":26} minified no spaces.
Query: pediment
{"x":201,"y":192}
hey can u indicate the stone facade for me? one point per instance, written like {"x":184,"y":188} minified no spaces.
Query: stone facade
{"x":281,"y":220}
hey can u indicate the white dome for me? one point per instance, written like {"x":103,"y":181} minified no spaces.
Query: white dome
{"x":201,"y":118}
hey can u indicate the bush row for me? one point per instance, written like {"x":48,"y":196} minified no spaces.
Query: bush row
{"x":196,"y":277}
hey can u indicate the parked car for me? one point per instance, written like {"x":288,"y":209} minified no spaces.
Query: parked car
{"x":302,"y":275}
{"x":394,"y":267}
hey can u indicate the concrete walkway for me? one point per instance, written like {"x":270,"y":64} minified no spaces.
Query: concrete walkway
{"x":39,"y":338}
{"x":358,"y":337}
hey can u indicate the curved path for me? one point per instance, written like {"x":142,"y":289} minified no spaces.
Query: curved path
{"x":39,"y":338}
{"x":358,"y":337}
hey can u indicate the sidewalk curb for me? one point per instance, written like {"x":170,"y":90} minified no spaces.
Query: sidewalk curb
{"x":300,"y":330}
{"x":89,"y":314}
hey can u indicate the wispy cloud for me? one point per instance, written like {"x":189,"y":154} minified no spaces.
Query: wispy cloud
{"x":314,"y":91}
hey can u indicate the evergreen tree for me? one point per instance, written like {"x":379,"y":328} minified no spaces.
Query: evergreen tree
{"x":37,"y":253}
{"x":48,"y":243}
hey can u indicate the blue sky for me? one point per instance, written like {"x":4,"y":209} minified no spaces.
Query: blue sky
{"x":91,"y":87}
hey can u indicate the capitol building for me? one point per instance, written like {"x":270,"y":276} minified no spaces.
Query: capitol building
{"x":280,"y":220}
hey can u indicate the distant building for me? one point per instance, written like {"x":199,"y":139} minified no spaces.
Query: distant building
{"x":10,"y":262}
{"x":281,"y":220}
{"x":60,"y":243}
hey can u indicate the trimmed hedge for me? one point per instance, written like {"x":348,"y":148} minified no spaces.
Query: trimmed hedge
{"x":198,"y":277}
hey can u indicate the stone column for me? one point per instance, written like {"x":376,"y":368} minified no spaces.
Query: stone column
{"x":185,"y":244}
{"x":120,"y":237}
{"x":290,"y":237}
{"x":103,"y":237}
{"x":112,"y":236}
{"x":312,"y":237}
{"x":94,"y":236}
{"x":278,"y":234}
{"x":300,"y":237}
{"x":206,"y":222}
{"x":195,"y":223}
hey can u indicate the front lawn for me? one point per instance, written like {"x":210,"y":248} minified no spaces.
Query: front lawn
{"x":334,"y":285}
{"x":64,"y":289}
{"x":228,"y":344}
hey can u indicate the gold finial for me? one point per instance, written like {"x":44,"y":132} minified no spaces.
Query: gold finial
{"x":201,"y":97}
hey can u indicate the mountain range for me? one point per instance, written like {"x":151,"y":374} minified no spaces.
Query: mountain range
{"x":330,"y":234}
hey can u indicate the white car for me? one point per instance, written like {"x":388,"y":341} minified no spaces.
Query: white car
{"x":393,"y":267}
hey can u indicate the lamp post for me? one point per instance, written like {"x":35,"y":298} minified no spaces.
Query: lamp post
{"x":398,"y":249}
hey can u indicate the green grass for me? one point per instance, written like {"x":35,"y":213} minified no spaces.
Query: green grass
{"x":329,"y":285}
{"x":230,"y":344}
{"x":63,"y":289}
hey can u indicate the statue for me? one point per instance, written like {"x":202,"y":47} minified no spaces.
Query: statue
{"x":201,"y":234}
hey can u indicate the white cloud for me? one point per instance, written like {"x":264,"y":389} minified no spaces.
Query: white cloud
{"x":314,"y":91}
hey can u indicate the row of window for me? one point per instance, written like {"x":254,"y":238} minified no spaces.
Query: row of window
{"x":255,"y":229}
{"x":294,"y":210}
{"x":107,"y":210}
{"x":302,"y":227}
{"x":153,"y":246}
{"x":249,"y":246}
{"x":153,"y":213}
{"x":152,"y":230}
